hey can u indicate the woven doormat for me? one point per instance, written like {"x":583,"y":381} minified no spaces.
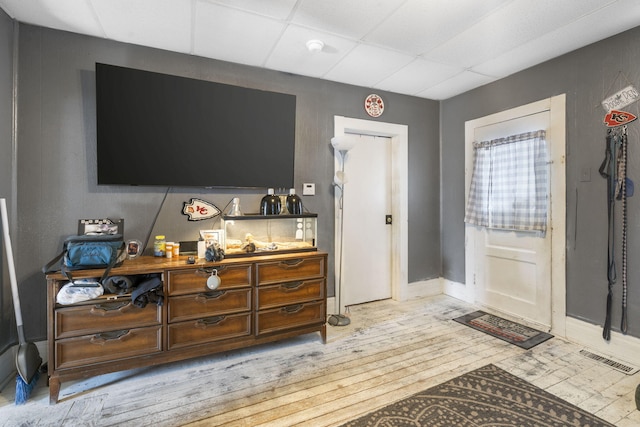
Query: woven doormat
{"x":506,"y":330}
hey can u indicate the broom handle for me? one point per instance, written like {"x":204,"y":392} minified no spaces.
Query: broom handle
{"x":12,"y":270}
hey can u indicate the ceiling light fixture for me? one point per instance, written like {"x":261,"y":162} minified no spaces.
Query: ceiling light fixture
{"x":315,"y":45}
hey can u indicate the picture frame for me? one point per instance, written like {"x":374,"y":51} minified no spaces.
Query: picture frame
{"x":134,"y":248}
{"x":210,"y":236}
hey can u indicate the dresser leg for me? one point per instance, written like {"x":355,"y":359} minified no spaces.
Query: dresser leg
{"x":323,"y":333}
{"x":54,"y":390}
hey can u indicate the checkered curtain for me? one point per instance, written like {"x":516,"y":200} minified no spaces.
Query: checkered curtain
{"x":510,"y":181}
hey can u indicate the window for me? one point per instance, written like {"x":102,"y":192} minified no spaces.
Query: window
{"x":509,"y":185}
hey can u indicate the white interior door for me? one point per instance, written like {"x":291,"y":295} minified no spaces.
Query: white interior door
{"x":512,"y":271}
{"x":366,"y":268}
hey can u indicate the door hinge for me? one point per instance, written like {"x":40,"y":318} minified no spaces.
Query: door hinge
{"x":388,"y":219}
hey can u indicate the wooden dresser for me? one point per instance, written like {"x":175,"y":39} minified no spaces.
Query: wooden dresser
{"x":260,"y":299}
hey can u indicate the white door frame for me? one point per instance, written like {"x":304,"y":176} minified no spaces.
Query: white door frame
{"x":399,"y":135}
{"x":555,"y":133}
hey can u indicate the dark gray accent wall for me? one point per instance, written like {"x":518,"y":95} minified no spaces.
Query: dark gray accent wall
{"x":7,"y":329}
{"x":56,"y":163}
{"x":587,"y":76}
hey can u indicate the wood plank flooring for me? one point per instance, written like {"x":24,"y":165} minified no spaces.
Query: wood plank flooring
{"x":390,"y":350}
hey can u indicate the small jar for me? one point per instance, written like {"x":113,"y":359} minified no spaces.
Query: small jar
{"x":168,"y":249}
{"x":176,"y":249}
{"x":159,"y":245}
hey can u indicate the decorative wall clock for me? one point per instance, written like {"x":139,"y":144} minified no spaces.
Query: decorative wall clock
{"x":374,"y":105}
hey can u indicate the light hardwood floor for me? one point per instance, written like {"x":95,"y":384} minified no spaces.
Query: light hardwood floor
{"x":390,"y":350}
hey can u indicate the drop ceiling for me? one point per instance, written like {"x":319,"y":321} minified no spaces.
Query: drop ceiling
{"x":427,"y":48}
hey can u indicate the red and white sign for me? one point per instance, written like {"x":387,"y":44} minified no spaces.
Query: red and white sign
{"x":618,"y":118}
{"x":198,"y":209}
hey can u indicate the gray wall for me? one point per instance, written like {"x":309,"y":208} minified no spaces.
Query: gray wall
{"x":587,"y":76}
{"x":7,"y":325}
{"x":56,"y":162}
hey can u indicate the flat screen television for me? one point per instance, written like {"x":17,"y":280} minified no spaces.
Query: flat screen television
{"x":159,"y":129}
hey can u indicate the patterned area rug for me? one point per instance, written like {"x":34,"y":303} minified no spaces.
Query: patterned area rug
{"x":486,"y":397}
{"x":506,"y":330}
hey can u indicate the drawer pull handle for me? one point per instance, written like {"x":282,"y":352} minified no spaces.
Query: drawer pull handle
{"x":291,"y":286}
{"x":205,"y":296}
{"x":110,"y":309}
{"x":105,"y":337}
{"x":291,"y":309}
{"x":203,"y":323}
{"x":291,"y":263}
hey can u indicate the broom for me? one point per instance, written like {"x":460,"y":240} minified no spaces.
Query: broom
{"x":28,"y":359}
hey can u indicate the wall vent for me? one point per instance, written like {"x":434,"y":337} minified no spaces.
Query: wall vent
{"x":618,"y":366}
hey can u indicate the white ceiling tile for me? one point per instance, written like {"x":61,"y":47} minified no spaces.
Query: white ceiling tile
{"x":164,"y":24}
{"x":456,"y":85}
{"x":77,"y":16}
{"x":353,"y":18}
{"x":420,"y":25}
{"x":517,"y":23}
{"x":367,"y":65}
{"x":278,"y":9}
{"x":417,"y":76}
{"x":217,"y":35}
{"x":387,"y":44}
{"x":586,"y":30}
{"x":291,"y":53}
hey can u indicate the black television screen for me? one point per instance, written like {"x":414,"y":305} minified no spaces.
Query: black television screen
{"x":159,"y":129}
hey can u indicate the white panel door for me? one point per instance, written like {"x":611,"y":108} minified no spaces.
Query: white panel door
{"x":367,"y":256}
{"x":513,"y":269}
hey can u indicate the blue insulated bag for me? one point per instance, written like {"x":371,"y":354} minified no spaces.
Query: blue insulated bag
{"x":89,"y":252}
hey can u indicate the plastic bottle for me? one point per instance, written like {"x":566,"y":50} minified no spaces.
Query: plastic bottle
{"x":294,"y":203}
{"x":270,"y":204}
{"x":159,"y":245}
{"x":235,"y":208}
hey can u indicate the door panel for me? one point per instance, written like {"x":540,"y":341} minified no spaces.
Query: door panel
{"x":367,"y":238}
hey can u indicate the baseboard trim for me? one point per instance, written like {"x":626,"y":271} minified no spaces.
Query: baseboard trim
{"x":457,"y":290}
{"x":623,"y":347}
{"x":424,"y":288}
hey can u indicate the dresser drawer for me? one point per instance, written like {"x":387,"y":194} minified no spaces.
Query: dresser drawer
{"x":180,"y":282}
{"x":107,"y":346}
{"x":291,"y":316}
{"x":205,"y":304}
{"x":103,"y":317}
{"x":290,"y":293}
{"x":209,"y":329}
{"x":271,"y":272}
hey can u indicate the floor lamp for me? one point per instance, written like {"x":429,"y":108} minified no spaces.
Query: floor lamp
{"x":341,"y":145}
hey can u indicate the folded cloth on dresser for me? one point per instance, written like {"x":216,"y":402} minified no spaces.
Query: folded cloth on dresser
{"x":79,"y":290}
{"x":149,"y":290}
{"x":119,"y":284}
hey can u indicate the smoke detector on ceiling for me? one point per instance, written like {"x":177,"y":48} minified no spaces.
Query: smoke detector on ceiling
{"x":315,"y":45}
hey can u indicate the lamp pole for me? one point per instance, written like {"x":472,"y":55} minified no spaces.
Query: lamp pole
{"x":342,"y":145}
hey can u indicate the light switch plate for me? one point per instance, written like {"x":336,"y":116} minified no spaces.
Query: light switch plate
{"x":308,"y":189}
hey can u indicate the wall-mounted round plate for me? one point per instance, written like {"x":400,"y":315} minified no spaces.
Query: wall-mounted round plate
{"x":374,"y":105}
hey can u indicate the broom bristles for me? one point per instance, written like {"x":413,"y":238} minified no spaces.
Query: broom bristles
{"x":24,"y":389}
